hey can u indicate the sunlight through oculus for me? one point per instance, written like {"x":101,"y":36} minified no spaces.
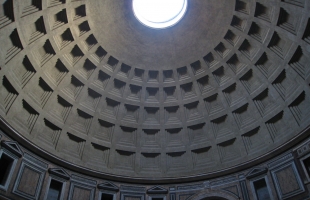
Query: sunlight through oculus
{"x":159,"y":13}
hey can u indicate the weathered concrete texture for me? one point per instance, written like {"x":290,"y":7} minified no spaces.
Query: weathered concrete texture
{"x":223,"y":90}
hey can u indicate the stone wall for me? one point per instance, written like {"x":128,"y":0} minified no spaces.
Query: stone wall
{"x":28,"y":176}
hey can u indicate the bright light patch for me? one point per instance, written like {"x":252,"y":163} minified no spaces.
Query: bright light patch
{"x":159,"y":13}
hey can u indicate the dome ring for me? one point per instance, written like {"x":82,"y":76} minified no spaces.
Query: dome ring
{"x":159,"y":14}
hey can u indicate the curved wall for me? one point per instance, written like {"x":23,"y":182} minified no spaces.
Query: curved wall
{"x":29,"y":176}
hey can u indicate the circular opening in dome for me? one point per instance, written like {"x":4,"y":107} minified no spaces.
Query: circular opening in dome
{"x":159,"y":14}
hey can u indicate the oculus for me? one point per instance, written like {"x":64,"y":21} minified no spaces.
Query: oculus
{"x":159,"y":14}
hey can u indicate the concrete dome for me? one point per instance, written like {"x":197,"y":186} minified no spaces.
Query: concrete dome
{"x":86,"y":85}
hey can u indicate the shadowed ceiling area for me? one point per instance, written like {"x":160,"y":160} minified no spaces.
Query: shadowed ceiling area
{"x":85,"y":82}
